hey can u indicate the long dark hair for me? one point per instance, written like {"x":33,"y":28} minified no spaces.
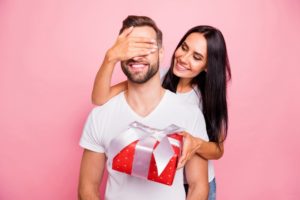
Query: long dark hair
{"x":211,"y":83}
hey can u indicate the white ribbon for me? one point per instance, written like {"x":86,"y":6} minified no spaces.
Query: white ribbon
{"x":144,"y":149}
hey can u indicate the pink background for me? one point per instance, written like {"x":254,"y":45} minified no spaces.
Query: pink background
{"x":50,"y":52}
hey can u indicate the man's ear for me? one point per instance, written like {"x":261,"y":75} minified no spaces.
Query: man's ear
{"x":161,"y":53}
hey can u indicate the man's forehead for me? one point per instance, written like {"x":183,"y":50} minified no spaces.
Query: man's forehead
{"x":143,"y":31}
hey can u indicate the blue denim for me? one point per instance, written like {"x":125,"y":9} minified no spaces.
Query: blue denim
{"x":212,"y":189}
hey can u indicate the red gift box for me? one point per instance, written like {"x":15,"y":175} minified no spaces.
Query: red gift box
{"x":158,"y":163}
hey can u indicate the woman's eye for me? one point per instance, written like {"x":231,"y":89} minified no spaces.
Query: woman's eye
{"x":197,"y":58}
{"x":184,"y":47}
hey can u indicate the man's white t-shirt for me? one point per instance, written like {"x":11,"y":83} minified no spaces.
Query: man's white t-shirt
{"x":192,"y":97}
{"x":108,"y":121}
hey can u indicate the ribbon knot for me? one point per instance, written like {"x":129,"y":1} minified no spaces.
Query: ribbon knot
{"x":147,"y":138}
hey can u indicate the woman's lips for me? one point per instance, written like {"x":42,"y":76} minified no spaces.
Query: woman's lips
{"x":180,"y":67}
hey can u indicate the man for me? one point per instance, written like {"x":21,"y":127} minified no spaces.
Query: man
{"x":147,"y":102}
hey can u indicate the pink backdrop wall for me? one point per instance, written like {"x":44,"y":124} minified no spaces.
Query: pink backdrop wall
{"x":50,"y":52}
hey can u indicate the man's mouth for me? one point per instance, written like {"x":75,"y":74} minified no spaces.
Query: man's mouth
{"x":137,"y":66}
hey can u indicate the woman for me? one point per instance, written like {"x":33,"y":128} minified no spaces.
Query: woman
{"x":199,"y":73}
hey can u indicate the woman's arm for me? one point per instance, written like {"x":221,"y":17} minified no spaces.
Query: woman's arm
{"x":125,"y":47}
{"x":102,"y":91}
{"x":210,"y":150}
{"x":193,"y":145}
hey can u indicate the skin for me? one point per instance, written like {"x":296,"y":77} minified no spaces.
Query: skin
{"x":192,"y":56}
{"x":91,"y":172}
{"x":92,"y":164}
{"x":190,"y":60}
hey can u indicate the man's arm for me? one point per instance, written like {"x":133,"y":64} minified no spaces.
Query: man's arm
{"x":91,"y":171}
{"x":197,"y":177}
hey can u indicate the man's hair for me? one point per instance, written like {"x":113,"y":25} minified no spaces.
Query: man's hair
{"x":137,"y":21}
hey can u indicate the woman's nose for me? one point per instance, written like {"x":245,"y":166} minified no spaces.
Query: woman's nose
{"x":184,"y":58}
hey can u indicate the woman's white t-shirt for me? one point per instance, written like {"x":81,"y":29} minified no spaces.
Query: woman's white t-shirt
{"x":192,"y":97}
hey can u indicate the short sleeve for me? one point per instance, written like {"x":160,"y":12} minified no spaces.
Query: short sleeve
{"x":91,"y":136}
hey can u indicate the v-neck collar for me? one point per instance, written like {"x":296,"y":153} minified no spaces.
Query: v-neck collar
{"x":136,"y":115}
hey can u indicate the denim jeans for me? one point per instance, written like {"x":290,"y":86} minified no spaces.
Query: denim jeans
{"x":212,"y":189}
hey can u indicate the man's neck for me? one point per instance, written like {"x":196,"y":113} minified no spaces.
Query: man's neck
{"x":143,"y":98}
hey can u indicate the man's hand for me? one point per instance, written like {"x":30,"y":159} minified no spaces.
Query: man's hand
{"x":190,"y":146}
{"x":127,"y":47}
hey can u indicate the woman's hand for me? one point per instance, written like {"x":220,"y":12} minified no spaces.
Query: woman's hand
{"x":190,"y":146}
{"x":127,"y":47}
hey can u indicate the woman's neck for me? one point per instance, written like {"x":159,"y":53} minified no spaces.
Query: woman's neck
{"x":184,"y":85}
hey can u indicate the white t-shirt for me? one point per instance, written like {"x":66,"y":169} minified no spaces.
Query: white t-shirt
{"x":108,"y":121}
{"x":192,"y":97}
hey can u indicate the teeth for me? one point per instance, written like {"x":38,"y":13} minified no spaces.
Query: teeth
{"x":138,"y":65}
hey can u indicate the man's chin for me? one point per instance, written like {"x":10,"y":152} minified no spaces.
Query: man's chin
{"x":137,"y":80}
{"x":139,"y":75}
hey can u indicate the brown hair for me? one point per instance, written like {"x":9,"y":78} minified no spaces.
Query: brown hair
{"x":133,"y":20}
